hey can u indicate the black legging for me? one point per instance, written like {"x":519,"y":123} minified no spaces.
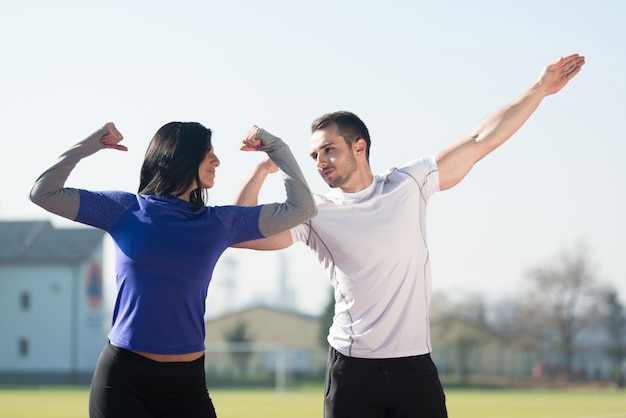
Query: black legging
{"x":126,"y":384}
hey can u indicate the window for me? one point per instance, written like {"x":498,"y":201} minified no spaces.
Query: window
{"x":25,"y":301}
{"x":22,"y":347}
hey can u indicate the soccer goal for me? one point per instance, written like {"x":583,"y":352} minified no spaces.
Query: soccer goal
{"x":249,"y":364}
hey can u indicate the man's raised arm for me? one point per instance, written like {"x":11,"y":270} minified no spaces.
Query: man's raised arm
{"x":455,"y":161}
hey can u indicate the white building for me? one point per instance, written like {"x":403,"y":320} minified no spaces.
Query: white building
{"x":51,"y":302}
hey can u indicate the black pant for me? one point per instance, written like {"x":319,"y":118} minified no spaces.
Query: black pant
{"x":406,"y":387}
{"x":126,"y":384}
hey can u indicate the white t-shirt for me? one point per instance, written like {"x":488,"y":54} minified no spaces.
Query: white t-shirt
{"x":372,"y":245}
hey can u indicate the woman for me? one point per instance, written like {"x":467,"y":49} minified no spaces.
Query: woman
{"x":167,"y":244}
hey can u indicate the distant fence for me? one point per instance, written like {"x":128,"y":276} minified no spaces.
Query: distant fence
{"x":259,"y":364}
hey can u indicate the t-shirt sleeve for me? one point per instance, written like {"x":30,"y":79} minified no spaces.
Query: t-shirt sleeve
{"x":425,"y":173}
{"x":301,"y":232}
{"x":103,"y":209}
{"x":241,"y":222}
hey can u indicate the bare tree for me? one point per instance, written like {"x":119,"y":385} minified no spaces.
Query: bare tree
{"x":564,"y":300}
{"x":463,"y":329}
{"x":513,"y":320}
{"x":614,"y":321}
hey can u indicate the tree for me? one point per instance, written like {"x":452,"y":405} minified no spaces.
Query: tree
{"x":614,"y":320}
{"x":463,"y":330}
{"x":326,"y":320}
{"x":512,"y":319}
{"x":464,"y":345}
{"x":237,"y":337}
{"x":565,"y":299}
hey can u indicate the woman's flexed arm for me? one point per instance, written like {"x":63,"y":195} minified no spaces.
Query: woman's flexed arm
{"x":49,"y":190}
{"x":299,"y":206}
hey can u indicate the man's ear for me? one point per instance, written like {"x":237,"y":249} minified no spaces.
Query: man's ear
{"x":360,"y":146}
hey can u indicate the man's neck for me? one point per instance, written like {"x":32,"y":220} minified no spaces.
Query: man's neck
{"x":358,"y":182}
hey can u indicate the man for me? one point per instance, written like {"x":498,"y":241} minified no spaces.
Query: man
{"x":369,"y":235}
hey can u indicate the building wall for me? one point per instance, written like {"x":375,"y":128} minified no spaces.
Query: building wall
{"x":42,"y":322}
{"x":267,"y":326}
{"x":278,"y":339}
{"x":90,"y":323}
{"x":51,"y":320}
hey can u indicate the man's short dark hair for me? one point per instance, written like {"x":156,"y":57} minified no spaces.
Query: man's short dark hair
{"x":348,"y":125}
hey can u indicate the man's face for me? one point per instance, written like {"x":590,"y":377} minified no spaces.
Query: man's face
{"x":335,"y":160}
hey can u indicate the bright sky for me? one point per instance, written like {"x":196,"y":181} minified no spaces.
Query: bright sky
{"x":421,"y":74}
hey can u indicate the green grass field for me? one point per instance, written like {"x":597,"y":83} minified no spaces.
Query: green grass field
{"x":307,"y":403}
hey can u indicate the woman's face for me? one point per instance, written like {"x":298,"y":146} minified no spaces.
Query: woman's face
{"x":206,"y":170}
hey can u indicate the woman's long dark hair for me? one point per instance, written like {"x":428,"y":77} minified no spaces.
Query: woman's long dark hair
{"x":172,"y":159}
